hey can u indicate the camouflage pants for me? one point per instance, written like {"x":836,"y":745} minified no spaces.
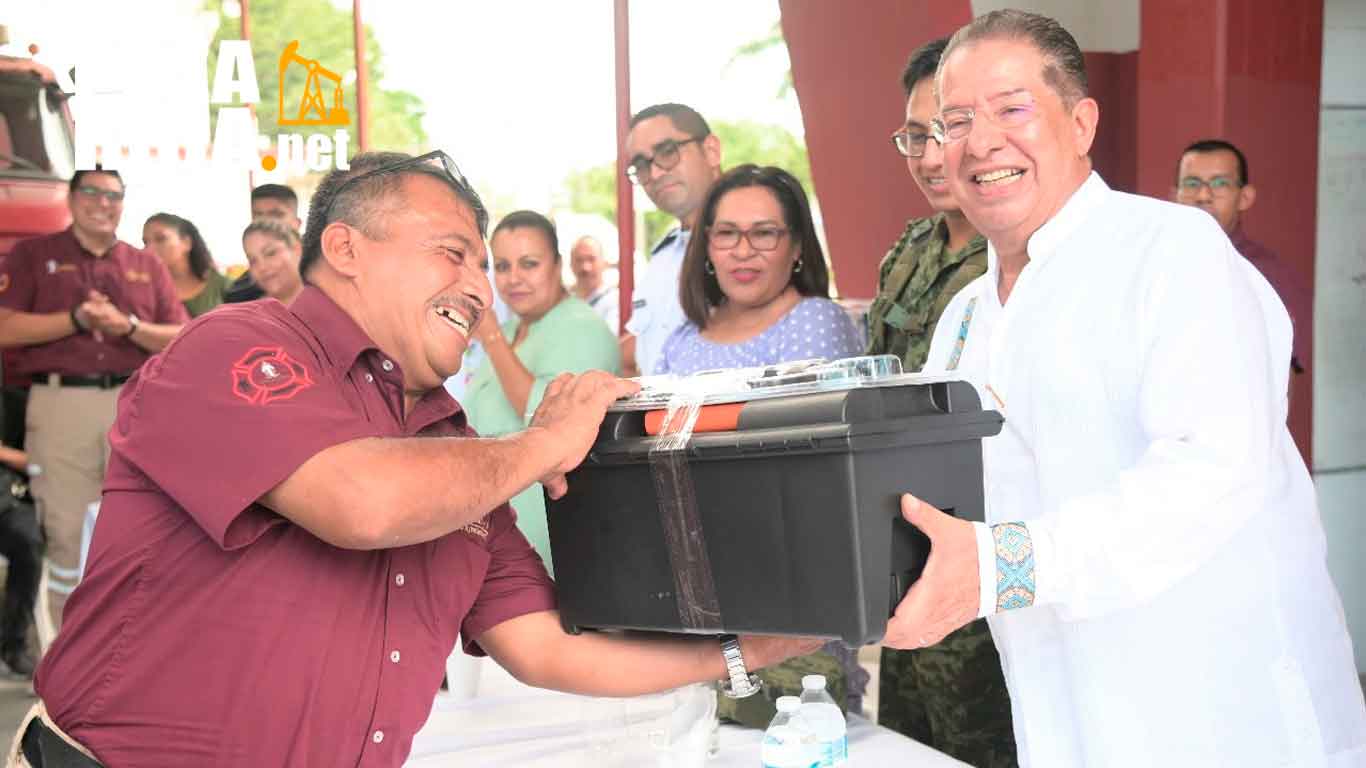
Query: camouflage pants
{"x":951,"y":696}
{"x":785,"y":679}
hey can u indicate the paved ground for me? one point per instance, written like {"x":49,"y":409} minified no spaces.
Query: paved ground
{"x":16,"y":696}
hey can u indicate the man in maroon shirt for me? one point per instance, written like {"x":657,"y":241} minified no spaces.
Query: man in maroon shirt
{"x":298,"y":523}
{"x":1212,"y":175}
{"x":87,"y":309}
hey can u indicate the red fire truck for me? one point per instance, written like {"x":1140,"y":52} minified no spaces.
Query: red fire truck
{"x":37,"y":157}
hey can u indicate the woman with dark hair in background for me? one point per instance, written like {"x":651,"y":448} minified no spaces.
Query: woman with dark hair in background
{"x":177,"y":242}
{"x":754,"y":284}
{"x":756,"y":291}
{"x":550,"y":333}
{"x":273,"y":253}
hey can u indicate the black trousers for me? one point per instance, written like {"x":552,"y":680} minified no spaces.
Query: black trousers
{"x":21,"y":542}
{"x":45,"y":749}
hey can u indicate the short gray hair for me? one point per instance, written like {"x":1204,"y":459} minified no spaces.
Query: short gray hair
{"x":1064,"y":66}
{"x":361,"y":204}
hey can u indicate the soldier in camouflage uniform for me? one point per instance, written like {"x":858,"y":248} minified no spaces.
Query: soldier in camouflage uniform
{"x":951,"y":696}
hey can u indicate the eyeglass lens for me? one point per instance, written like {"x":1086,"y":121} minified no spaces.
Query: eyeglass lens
{"x":760,"y":238}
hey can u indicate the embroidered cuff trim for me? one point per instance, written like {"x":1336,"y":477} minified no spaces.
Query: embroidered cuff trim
{"x":1014,"y":566}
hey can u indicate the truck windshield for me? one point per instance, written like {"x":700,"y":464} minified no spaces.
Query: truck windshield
{"x":34,"y":139}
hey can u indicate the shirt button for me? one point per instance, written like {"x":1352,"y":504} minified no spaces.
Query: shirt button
{"x":394,"y":657}
{"x":399,"y":579}
{"x":377,"y":737}
{"x":387,"y":365}
{"x":369,"y":379}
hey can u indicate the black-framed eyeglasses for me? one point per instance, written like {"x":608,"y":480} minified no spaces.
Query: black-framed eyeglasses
{"x":665,"y":156}
{"x":910,"y":143}
{"x":761,"y":238}
{"x":110,"y":195}
{"x":435,"y":159}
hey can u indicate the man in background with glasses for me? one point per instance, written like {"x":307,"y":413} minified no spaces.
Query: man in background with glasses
{"x":676,"y":158}
{"x":950,"y":696}
{"x":302,"y":613}
{"x":86,"y":309}
{"x":1212,"y":176}
{"x":1152,"y":565}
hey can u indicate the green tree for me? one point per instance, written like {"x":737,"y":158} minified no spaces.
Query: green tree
{"x":594,"y":190}
{"x":326,"y":35}
{"x":757,"y":48}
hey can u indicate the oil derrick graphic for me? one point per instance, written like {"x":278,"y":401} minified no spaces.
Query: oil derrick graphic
{"x":311,"y":109}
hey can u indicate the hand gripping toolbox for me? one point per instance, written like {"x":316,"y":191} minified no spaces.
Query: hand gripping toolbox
{"x":786,"y":521}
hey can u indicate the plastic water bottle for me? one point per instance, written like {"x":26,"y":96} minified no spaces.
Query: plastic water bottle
{"x":826,"y":721}
{"x":788,"y":742}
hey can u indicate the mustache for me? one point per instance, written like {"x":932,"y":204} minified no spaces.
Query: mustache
{"x":472,"y":308}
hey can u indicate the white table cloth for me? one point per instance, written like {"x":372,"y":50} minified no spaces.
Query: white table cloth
{"x":497,"y":721}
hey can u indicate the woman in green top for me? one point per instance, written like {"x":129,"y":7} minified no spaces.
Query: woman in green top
{"x":550,"y":333}
{"x":181,"y":248}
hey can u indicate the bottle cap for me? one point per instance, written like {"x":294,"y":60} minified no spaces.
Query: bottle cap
{"x":789,"y":703}
{"x":814,"y":682}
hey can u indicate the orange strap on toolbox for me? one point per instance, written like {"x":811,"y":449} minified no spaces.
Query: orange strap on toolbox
{"x":711,"y":418}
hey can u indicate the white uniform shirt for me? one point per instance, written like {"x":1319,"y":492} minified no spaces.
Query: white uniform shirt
{"x":1184,"y":614}
{"x":655,"y":311}
{"x":605,"y":303}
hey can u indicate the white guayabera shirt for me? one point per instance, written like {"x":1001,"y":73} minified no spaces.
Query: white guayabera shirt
{"x":1182,"y":610}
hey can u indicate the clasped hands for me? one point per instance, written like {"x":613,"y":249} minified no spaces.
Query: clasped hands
{"x":98,"y":315}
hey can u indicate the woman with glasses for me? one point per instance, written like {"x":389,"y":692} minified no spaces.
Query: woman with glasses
{"x":177,"y":242}
{"x":273,"y":253}
{"x":550,"y":332}
{"x":755,"y":289}
{"x":754,"y":286}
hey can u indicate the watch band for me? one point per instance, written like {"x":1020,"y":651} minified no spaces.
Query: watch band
{"x":133,"y":323}
{"x":742,"y":683}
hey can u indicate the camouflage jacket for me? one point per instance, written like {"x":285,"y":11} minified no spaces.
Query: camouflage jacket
{"x":917,"y":279}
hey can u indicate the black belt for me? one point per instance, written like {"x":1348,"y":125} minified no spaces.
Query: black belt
{"x":43,"y":748}
{"x":101,"y":380}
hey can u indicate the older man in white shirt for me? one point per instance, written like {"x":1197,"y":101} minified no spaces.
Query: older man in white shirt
{"x":1153,"y":567}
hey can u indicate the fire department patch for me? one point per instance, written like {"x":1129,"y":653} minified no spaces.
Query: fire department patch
{"x":267,"y":374}
{"x":479,"y":529}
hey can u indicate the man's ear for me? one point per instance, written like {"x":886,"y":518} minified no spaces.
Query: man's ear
{"x":338,"y":249}
{"x":711,"y":149}
{"x":1247,"y":195}
{"x":1085,"y":118}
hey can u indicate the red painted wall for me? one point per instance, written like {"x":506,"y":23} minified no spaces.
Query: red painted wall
{"x":1244,"y":70}
{"x":846,"y":64}
{"x":1247,"y":71}
{"x":1111,"y":77}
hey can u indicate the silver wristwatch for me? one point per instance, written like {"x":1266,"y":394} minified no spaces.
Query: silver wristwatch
{"x":743,"y":683}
